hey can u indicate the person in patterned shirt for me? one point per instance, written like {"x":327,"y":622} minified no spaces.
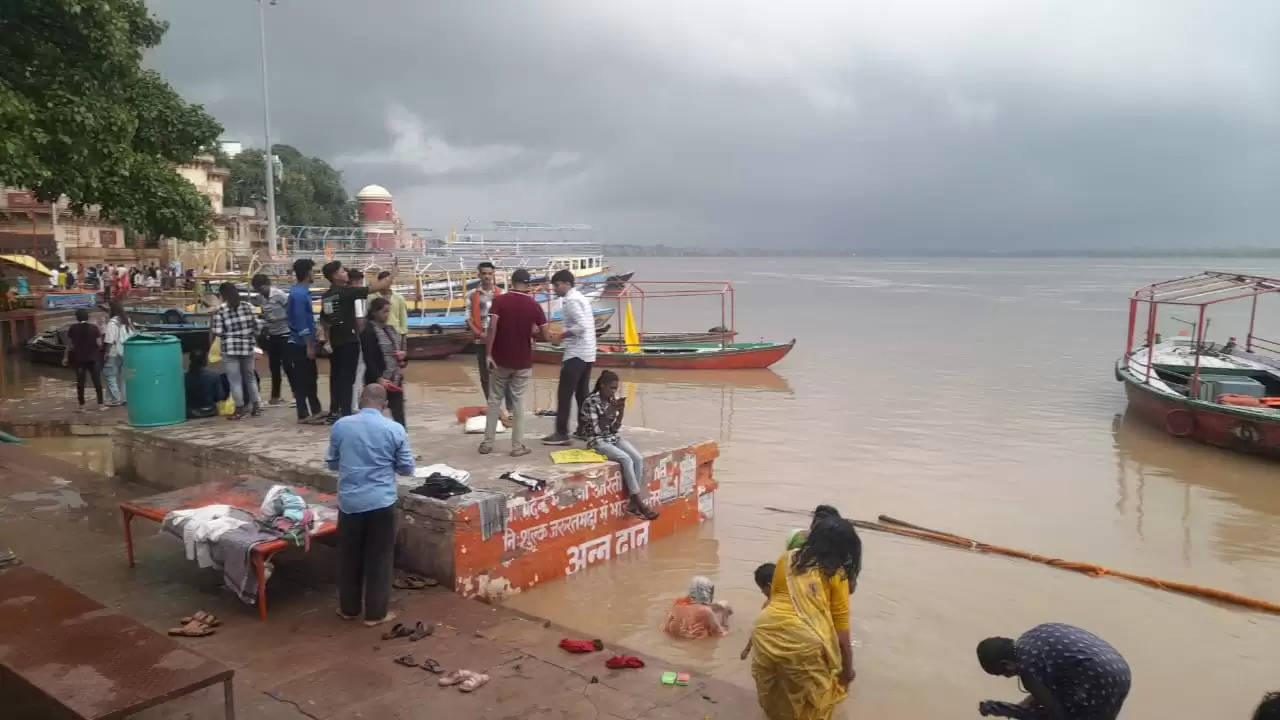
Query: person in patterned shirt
{"x":600,"y":420}
{"x":236,"y":326}
{"x":1069,"y":673}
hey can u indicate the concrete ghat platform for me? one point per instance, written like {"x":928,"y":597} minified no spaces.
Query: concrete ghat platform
{"x":500,"y":538}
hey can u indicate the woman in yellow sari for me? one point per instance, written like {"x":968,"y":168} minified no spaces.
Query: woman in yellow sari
{"x":803,"y":659}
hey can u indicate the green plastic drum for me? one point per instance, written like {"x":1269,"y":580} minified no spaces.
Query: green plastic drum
{"x":153,"y":382}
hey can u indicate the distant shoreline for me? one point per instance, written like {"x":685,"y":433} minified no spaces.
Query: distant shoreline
{"x":672,"y":252}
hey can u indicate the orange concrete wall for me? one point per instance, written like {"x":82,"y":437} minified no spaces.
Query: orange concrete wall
{"x":551,"y":535}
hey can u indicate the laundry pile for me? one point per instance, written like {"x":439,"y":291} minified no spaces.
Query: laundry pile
{"x":223,"y":537}
{"x":441,"y":481}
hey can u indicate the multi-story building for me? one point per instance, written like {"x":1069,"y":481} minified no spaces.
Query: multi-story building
{"x":30,"y":227}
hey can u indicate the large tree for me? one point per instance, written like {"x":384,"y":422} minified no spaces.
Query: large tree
{"x":80,"y":117}
{"x":308,"y":192}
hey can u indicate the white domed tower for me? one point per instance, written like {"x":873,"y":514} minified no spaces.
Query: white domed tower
{"x":377,"y":216}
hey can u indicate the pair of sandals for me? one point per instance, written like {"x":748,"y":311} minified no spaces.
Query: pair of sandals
{"x":466,"y":680}
{"x":414,"y":582}
{"x":240,"y":414}
{"x":430,"y":664}
{"x":415,"y":633}
{"x":516,"y":450}
{"x":197,"y":624}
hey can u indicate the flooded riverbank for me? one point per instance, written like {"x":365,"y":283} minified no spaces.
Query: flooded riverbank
{"x":971,"y":396}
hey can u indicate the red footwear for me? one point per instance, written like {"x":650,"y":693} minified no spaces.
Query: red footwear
{"x":619,"y":662}
{"x":581,"y":646}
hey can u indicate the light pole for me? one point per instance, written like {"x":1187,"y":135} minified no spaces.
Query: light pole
{"x":268,"y":164}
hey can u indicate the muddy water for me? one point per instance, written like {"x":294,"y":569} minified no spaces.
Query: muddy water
{"x":972,"y":396}
{"x":976,"y":397}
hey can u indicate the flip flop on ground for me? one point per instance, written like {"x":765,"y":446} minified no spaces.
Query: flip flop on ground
{"x":411,"y":582}
{"x":201,"y":616}
{"x":421,"y":630}
{"x":397,"y":631}
{"x":472,"y":681}
{"x":453,"y":677}
{"x":192,"y":629}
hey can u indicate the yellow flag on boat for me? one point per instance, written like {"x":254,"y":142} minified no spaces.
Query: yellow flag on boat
{"x":629,"y":334}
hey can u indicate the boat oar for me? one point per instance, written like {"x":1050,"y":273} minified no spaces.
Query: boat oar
{"x":895,"y":526}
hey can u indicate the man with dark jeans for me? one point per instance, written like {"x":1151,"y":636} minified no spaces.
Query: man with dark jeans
{"x":338,"y":317}
{"x":275,"y":332}
{"x":84,"y":352}
{"x":579,"y":339}
{"x":301,"y":348}
{"x":367,"y":450}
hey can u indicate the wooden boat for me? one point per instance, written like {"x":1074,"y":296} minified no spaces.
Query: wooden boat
{"x":691,"y":356}
{"x":1225,"y":395}
{"x":48,"y":347}
{"x":433,"y":346}
{"x":194,"y":338}
{"x":714,"y":349}
{"x":445,"y":323}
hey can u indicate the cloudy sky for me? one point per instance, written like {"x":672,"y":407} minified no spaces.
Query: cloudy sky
{"x":949,"y":124}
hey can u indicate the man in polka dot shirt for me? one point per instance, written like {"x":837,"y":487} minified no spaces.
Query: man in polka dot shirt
{"x":1069,"y":673}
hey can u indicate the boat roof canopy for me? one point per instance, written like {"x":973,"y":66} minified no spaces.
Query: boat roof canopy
{"x":1207,"y":288}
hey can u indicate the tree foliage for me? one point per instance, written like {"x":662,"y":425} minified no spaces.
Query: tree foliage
{"x":309,"y":191}
{"x":80,"y":117}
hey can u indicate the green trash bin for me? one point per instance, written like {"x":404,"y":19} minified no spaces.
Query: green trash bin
{"x":153,"y":380}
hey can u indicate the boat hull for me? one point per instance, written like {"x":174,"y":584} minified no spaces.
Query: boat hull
{"x":1210,"y":423}
{"x":427,"y":346}
{"x":742,"y":357}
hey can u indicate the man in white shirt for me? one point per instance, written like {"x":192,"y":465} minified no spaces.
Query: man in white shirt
{"x":579,"y":338}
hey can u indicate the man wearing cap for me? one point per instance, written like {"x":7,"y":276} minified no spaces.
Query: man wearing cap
{"x":515,"y":321}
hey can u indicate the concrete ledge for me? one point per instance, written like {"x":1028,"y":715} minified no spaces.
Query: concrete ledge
{"x":499,"y":539}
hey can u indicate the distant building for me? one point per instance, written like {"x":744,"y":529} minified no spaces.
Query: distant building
{"x":239,"y":232}
{"x":30,"y":227}
{"x":231,"y":148}
{"x":377,"y":216}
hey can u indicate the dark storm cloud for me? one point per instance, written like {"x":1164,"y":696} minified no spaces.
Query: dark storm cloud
{"x":993,"y":124}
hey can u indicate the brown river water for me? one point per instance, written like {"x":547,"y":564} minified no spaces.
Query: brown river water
{"x":974,"y":396}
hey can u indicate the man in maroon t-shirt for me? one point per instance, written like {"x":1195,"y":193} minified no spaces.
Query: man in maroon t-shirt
{"x":515,"y":320}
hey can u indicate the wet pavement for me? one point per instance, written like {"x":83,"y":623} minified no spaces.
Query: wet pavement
{"x":305,"y":662}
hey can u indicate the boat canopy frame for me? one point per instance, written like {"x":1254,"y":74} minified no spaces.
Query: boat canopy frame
{"x":645,"y":290}
{"x":1200,"y":291}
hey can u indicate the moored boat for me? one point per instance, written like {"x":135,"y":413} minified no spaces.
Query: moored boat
{"x":690,"y":356}
{"x":1224,"y":394}
{"x":433,"y":346}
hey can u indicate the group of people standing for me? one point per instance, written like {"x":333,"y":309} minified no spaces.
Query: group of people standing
{"x":97,"y":354}
{"x":359,"y":333}
{"x":508,"y":323}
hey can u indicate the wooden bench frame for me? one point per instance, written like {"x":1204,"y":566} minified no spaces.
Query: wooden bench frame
{"x":222,"y":493}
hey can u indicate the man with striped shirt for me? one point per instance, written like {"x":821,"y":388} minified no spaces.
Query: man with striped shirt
{"x":579,"y":338}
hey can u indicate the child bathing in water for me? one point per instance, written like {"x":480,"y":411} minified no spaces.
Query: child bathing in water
{"x":764,"y":581}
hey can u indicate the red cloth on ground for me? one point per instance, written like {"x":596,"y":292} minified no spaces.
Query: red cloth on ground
{"x":581,"y":646}
{"x":619,"y":662}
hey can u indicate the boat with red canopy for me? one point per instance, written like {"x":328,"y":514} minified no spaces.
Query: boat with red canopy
{"x":1223,"y":393}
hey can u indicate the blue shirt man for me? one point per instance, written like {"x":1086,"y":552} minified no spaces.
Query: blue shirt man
{"x":367,"y":450}
{"x":300,"y":351}
{"x":302,"y":321}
